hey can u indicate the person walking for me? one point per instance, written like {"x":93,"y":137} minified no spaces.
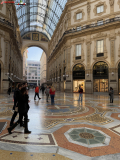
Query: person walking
{"x":15,"y":107}
{"x":43,"y":89}
{"x":47,"y":93}
{"x":23,"y":111}
{"x":36,"y":93}
{"x":80,"y":93}
{"x":9,"y":91}
{"x":52,"y":94}
{"x":111,"y":93}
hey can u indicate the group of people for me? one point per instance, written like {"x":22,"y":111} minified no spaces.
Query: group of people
{"x":48,"y":91}
{"x":21,"y":106}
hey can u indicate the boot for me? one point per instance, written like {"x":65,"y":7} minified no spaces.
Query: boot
{"x":12,"y":127}
{"x":26,"y":127}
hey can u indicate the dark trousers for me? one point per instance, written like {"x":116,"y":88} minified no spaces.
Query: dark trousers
{"x":42,"y":91}
{"x":52,"y":99}
{"x":13,"y":118}
{"x":21,"y":115}
{"x":111,"y":99}
{"x":47,"y":95}
{"x":36,"y":94}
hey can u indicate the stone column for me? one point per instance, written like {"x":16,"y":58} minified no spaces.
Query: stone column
{"x":113,"y":75}
{"x":88,"y":72}
{"x":68,"y":71}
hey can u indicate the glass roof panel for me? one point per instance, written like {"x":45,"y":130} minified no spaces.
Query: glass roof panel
{"x":39,"y":15}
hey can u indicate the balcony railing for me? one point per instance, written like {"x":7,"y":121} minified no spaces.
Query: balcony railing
{"x":6,"y":22}
{"x":84,"y":28}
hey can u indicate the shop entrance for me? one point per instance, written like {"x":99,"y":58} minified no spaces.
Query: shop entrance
{"x":78,"y":77}
{"x":100,"y":77}
{"x":100,"y":85}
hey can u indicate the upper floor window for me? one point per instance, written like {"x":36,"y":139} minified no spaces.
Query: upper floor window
{"x":100,"y":9}
{"x":79,"y":16}
{"x":78,"y":50}
{"x":100,"y":22}
{"x":100,"y":46}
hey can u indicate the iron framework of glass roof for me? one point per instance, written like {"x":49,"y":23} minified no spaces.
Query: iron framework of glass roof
{"x":39,"y":15}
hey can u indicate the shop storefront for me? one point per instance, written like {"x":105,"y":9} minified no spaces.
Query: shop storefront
{"x":78,"y":77}
{"x":100,"y":77}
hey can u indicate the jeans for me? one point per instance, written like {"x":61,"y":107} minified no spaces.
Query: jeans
{"x":80,"y":95}
{"x":36,"y":94}
{"x":47,"y":95}
{"x":52,"y":99}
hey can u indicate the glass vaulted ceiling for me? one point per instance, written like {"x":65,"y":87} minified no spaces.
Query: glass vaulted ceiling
{"x":39,"y":15}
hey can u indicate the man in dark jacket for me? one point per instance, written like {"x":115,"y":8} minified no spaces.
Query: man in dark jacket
{"x":15,"y":107}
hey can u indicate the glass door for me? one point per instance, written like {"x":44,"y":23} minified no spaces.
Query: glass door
{"x":100,"y":85}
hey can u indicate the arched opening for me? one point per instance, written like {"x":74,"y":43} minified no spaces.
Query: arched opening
{"x":100,"y":77}
{"x":78,"y":77}
{"x":34,"y":66}
{"x":119,"y":77}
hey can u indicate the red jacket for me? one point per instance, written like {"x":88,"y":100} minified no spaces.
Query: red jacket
{"x":51,"y":92}
{"x":37,"y":90}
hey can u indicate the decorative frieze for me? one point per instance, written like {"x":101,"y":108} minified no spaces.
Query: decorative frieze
{"x":88,"y":10}
{"x":111,"y":6}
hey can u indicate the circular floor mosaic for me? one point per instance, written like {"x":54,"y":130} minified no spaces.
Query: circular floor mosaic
{"x":87,"y":137}
{"x":59,"y":109}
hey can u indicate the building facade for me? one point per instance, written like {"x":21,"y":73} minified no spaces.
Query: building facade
{"x":85,"y":47}
{"x":43,"y":68}
{"x":11,"y":61}
{"x":25,"y":65}
{"x":33,"y":73}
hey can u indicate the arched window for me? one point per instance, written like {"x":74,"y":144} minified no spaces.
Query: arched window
{"x":100,"y":70}
{"x":78,"y":71}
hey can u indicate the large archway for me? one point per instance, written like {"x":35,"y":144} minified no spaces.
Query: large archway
{"x":78,"y":77}
{"x":100,"y":77}
{"x":35,"y":39}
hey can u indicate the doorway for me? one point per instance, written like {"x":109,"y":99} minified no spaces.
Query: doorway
{"x":100,"y":85}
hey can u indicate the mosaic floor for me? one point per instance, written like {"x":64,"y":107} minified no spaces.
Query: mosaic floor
{"x":67,"y":130}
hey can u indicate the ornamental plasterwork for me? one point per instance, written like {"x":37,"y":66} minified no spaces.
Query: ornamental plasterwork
{"x":1,"y":5}
{"x":78,"y":40}
{"x":88,"y":9}
{"x":112,"y":50}
{"x":79,"y":11}
{"x":97,"y":5}
{"x":111,"y":2}
{"x":100,"y":36}
{"x":118,"y":3}
{"x":111,"y":5}
{"x":119,"y":44}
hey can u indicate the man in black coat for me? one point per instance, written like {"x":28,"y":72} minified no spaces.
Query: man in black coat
{"x":15,"y":107}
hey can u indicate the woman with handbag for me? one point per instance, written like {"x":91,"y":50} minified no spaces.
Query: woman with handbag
{"x":111,"y":92}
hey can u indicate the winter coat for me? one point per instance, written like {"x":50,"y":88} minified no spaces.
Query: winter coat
{"x":51,"y":92}
{"x":37,"y":90}
{"x":23,"y":103}
{"x":111,"y":93}
{"x":47,"y":90}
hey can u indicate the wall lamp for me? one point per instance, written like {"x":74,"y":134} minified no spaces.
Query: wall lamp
{"x":112,"y":73}
{"x":11,"y":74}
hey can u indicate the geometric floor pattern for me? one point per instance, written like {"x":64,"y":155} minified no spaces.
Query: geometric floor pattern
{"x":67,"y":130}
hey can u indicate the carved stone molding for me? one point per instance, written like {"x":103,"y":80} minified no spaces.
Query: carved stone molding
{"x":112,"y":50}
{"x":112,"y":36}
{"x":88,"y":10}
{"x":97,"y":5}
{"x":1,"y":5}
{"x":111,"y":6}
{"x":88,"y":53}
{"x":79,"y":11}
{"x":118,"y":3}
{"x":100,"y":35}
{"x":78,"y":40}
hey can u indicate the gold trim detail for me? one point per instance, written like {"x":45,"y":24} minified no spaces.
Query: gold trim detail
{"x":97,"y":5}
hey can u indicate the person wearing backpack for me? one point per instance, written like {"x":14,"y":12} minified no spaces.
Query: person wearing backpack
{"x":80,"y":93}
